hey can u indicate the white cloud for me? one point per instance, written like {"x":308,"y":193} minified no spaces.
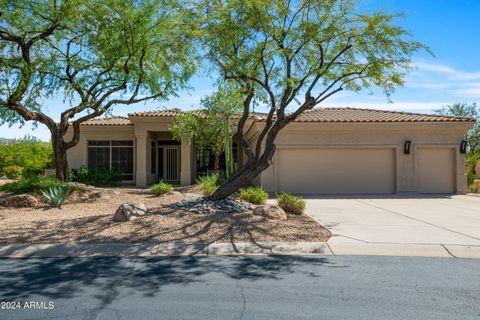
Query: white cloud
{"x":444,"y":80}
{"x":450,"y":73}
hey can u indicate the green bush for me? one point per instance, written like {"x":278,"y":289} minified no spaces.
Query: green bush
{"x":255,"y":195}
{"x":12,"y":171}
{"x":210,"y":183}
{"x":161,"y":188}
{"x":31,"y":185}
{"x":32,"y":155}
{"x":470,"y":168}
{"x":56,"y":195}
{"x":290,"y":203}
{"x":96,"y":177}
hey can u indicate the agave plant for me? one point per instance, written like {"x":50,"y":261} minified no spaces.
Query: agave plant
{"x":57,"y":195}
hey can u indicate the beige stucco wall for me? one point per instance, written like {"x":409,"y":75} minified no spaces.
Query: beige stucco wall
{"x":77,"y":156}
{"x":312,"y":135}
{"x":391,"y":135}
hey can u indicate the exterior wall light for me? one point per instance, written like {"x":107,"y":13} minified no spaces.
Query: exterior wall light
{"x":463,"y":146}
{"x":406,"y":147}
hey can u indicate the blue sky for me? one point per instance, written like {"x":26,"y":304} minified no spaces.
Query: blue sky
{"x":449,"y":27}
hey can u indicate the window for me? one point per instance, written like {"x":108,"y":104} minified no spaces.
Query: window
{"x":153,"y":157}
{"x":112,"y":155}
{"x":205,"y":160}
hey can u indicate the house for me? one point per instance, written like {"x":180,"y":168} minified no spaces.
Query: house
{"x":326,"y":151}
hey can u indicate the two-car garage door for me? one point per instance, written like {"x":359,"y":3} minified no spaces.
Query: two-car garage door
{"x":336,"y":170}
{"x":360,"y":170}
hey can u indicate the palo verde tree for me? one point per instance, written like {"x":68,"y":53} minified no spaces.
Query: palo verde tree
{"x":96,"y":53}
{"x":296,"y":55}
{"x":212,"y":126}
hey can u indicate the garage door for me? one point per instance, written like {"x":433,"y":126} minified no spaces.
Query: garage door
{"x":336,"y":170}
{"x":434,"y":171}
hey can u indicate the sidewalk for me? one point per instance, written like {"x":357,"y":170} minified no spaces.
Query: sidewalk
{"x":335,"y":246}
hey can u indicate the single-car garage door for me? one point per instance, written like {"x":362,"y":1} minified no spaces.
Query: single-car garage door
{"x":336,"y":170}
{"x":435,"y":170}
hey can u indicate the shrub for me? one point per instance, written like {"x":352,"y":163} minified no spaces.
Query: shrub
{"x":31,"y":185}
{"x":255,"y":195}
{"x":12,"y":171}
{"x":96,"y":176}
{"x":33,"y":155}
{"x":210,"y":183}
{"x":290,"y":203}
{"x":470,"y":168}
{"x":56,"y":195}
{"x":161,"y":188}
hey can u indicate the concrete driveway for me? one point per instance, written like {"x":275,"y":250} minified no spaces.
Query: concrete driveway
{"x":413,"y":225}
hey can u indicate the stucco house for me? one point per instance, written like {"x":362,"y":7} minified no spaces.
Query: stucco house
{"x":325,"y":151}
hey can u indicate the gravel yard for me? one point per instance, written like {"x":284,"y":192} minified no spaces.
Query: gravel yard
{"x":91,"y":222}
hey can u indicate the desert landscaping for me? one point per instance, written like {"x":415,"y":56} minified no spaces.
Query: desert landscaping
{"x":173,"y":217}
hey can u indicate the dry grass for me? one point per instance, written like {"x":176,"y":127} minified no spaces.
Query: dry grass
{"x":91,"y":222}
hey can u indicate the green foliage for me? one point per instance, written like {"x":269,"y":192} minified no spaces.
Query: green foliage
{"x":288,"y":46}
{"x":95,"y":54}
{"x":12,"y":171}
{"x":470,"y":168}
{"x":291,"y":203}
{"x":210,"y":183}
{"x":57,"y":195}
{"x":161,"y":188}
{"x":466,"y":110}
{"x":255,"y":195}
{"x":96,"y":177}
{"x":212,"y":126}
{"x":31,"y":185}
{"x":32,"y":155}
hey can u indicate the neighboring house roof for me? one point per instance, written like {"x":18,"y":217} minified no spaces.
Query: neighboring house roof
{"x":315,"y":115}
{"x":108,"y":121}
{"x":372,"y":115}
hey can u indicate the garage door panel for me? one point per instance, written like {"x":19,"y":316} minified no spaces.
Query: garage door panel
{"x":336,"y":170}
{"x":435,"y":170}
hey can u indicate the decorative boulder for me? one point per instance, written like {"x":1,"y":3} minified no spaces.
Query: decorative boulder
{"x":129,"y":211}
{"x":19,"y":201}
{"x":77,"y":196}
{"x":270,"y":212}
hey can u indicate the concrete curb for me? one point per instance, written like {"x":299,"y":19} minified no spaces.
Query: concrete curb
{"x":167,"y":249}
{"x":238,"y":249}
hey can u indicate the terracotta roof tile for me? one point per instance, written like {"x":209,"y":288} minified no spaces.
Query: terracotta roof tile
{"x":175,"y":112}
{"x":314,"y":115}
{"x":109,"y":121}
{"x":372,"y":115}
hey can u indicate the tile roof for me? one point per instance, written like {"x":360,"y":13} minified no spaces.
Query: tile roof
{"x":372,"y":115}
{"x":314,"y":115}
{"x":108,"y":121}
{"x":175,"y":112}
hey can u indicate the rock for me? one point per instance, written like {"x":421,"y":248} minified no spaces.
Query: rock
{"x":100,"y":195}
{"x":129,"y":211}
{"x":19,"y":201}
{"x":82,"y":186}
{"x":77,"y":196}
{"x":270,"y":212}
{"x":175,"y":193}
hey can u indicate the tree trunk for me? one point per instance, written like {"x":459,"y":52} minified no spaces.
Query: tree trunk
{"x":245,"y":175}
{"x":59,"y":156}
{"x":216,"y":165}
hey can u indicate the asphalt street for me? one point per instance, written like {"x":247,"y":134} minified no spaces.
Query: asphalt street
{"x":260,"y":287}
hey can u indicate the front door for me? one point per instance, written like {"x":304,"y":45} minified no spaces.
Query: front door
{"x":170,"y":163}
